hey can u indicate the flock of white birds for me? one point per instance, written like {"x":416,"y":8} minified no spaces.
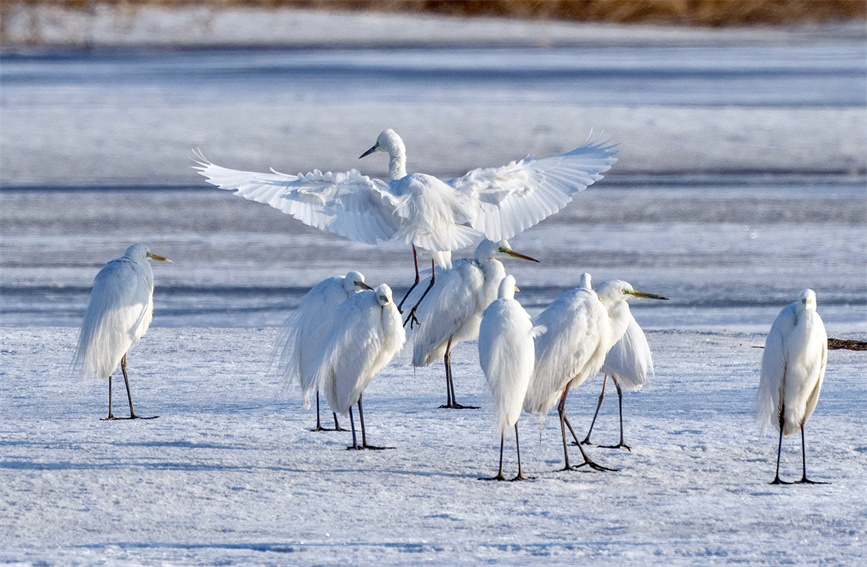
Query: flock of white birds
{"x":345,"y":332}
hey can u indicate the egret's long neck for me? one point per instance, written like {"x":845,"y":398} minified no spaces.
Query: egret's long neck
{"x":397,"y":163}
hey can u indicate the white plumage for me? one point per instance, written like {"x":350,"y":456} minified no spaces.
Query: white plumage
{"x":306,"y":328}
{"x":793,"y":368}
{"x":507,"y":356}
{"x":452,"y":310}
{"x":627,"y":363}
{"x":419,"y":209}
{"x":582,"y":327}
{"x":117,"y":316}
{"x":366,"y":333}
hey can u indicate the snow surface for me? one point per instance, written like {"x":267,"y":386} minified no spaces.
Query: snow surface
{"x":741,"y":181}
{"x":229,"y":473}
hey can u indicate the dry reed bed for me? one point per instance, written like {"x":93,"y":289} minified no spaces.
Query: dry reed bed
{"x":677,"y":12}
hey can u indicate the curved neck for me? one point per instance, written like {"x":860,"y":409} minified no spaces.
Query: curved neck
{"x":396,"y":163}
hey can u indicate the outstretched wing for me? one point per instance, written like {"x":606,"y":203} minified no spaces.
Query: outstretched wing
{"x":512,"y":198}
{"x":346,"y":203}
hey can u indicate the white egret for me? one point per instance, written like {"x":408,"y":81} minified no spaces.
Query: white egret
{"x":581,"y":331}
{"x":452,"y":311}
{"x":306,"y":328}
{"x":366,"y":334}
{"x":117,"y":316}
{"x":793,"y":368}
{"x":627,"y":363}
{"x":507,"y":356}
{"x":419,"y":209}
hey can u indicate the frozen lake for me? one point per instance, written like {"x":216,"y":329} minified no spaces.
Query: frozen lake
{"x":741,"y":181}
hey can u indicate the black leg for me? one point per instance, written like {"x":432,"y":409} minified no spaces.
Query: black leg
{"x":110,"y":414}
{"x":318,"y":422}
{"x":598,"y":405}
{"x":561,"y":410}
{"x":620,"y":445}
{"x":520,"y":475}
{"x":779,"y":448}
{"x":417,"y":279}
{"x":450,"y":384}
{"x":336,"y":423}
{"x":352,"y":425}
{"x":433,"y":279}
{"x":571,"y":430}
{"x":132,"y":414}
{"x":804,"y":479}
{"x":500,"y":472}
{"x":363,"y":434}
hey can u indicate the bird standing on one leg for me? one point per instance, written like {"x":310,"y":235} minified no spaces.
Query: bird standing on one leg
{"x":306,"y":328}
{"x":366,"y":333}
{"x":793,"y":368}
{"x":117,"y":316}
{"x":507,"y":355}
{"x":453,"y":309}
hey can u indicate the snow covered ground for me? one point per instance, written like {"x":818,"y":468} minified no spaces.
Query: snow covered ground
{"x":741,"y":182}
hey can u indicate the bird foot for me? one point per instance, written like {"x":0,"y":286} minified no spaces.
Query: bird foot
{"x":368,"y":447}
{"x":806,"y":480}
{"x":498,"y":477}
{"x":411,"y":319}
{"x":520,"y":476}
{"x":320,"y":428}
{"x":455,"y":405}
{"x":778,"y":481}
{"x":112,"y":418}
{"x":618,"y":446}
{"x":594,"y":466}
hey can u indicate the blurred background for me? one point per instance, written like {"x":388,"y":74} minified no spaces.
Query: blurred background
{"x":742,"y":131}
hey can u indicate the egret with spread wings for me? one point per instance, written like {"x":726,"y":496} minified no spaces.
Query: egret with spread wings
{"x":420,"y":209}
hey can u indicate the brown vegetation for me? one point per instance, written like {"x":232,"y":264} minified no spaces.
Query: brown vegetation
{"x":681,"y":12}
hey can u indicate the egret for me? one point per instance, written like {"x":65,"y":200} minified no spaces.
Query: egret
{"x":582,"y":327}
{"x":453,"y":309}
{"x":507,"y":356}
{"x":117,"y":316}
{"x":366,"y":333}
{"x":306,"y":328}
{"x":793,"y":368}
{"x":627,"y":363}
{"x":419,"y":209}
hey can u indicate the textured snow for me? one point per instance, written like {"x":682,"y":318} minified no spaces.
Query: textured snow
{"x":741,"y":182}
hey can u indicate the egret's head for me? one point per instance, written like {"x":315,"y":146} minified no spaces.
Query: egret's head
{"x":487,"y":250}
{"x":139,"y":252}
{"x":508,"y":287}
{"x":388,"y":141}
{"x":354,"y":281}
{"x":383,"y":295}
{"x":808,"y":299}
{"x":618,"y":290}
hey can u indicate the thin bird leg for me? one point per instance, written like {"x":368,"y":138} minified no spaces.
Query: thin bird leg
{"x":571,"y":430}
{"x":620,"y":445}
{"x":450,"y":384}
{"x":110,"y":414}
{"x":804,"y":479}
{"x":500,"y":472}
{"x":520,"y":475}
{"x":417,"y":279}
{"x":433,"y":279}
{"x":318,"y":422}
{"x":598,"y":405}
{"x":779,"y":449}
{"x":561,"y":409}
{"x":132,"y":414}
{"x":352,"y":425}
{"x":364,"y":444}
